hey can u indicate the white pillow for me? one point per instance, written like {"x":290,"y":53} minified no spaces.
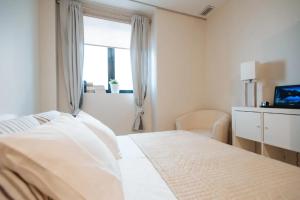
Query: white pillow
{"x":46,"y":116}
{"x":65,"y":160}
{"x":18,"y":125}
{"x":102,"y":131}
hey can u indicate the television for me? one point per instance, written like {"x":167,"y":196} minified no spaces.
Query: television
{"x":287,"y":96}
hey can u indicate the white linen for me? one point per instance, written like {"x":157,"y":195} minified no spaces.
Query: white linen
{"x":47,"y":116}
{"x":140,"y":179}
{"x":18,"y":125}
{"x":104,"y":133}
{"x":11,"y":185}
{"x":65,"y":160}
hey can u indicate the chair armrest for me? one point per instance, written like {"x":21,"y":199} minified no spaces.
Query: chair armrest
{"x":182,"y":122}
{"x":220,"y":129}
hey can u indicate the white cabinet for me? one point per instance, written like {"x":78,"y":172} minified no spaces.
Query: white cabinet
{"x":282,"y":130}
{"x":248,"y":125}
{"x":271,"y":132}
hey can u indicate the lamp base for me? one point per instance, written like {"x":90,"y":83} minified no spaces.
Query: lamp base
{"x":253,"y":96}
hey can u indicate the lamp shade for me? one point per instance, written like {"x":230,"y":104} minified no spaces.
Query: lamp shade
{"x":248,"y":70}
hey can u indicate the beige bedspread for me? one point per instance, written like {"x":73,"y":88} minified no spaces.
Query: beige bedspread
{"x":197,"y":168}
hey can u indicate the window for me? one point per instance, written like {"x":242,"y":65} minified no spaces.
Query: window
{"x":107,"y":54}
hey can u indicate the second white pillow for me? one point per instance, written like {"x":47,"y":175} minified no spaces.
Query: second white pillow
{"x":104,"y":133}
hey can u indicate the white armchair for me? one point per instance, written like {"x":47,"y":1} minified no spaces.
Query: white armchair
{"x":211,"y":123}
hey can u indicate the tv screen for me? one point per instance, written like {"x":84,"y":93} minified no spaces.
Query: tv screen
{"x":287,"y":96}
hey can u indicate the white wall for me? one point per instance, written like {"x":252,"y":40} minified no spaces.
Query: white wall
{"x":115,"y":110}
{"x":177,"y":76}
{"x":267,"y":31}
{"x":19,"y":56}
{"x":47,"y":50}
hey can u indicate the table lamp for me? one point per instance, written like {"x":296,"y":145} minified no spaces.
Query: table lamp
{"x":248,"y":76}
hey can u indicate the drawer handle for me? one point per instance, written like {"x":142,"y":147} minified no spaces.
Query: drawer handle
{"x":266,"y":128}
{"x":257,"y":126}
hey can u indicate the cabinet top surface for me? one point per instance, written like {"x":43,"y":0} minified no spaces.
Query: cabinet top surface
{"x":267,"y":110}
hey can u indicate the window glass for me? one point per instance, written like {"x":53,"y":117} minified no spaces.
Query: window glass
{"x":95,"y":68}
{"x":123,"y":69}
{"x":100,"y":38}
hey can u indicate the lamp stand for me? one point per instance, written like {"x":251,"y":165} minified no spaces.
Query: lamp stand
{"x":254,"y":93}
{"x":245,"y":92}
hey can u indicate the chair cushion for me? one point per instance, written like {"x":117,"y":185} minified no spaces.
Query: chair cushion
{"x":204,"y":132}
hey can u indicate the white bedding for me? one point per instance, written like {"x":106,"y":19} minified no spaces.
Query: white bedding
{"x":155,"y":166}
{"x":140,"y":179}
{"x":63,"y":159}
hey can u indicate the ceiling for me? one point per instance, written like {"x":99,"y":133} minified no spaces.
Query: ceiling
{"x":189,"y":7}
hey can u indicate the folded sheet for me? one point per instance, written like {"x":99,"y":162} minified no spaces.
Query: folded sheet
{"x":140,"y":179}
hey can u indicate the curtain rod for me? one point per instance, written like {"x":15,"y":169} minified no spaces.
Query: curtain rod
{"x":103,"y":11}
{"x":166,"y":9}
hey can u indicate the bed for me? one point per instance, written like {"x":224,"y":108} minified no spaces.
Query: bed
{"x":150,"y":166}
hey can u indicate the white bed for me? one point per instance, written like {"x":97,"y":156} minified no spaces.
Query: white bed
{"x":65,"y":159}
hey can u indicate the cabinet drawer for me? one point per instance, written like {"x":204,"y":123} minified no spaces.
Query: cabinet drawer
{"x":282,"y":130}
{"x":248,"y":125}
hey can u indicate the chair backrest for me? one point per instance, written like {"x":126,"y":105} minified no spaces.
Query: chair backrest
{"x":200,"y":119}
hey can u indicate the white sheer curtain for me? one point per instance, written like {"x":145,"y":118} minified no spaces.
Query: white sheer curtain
{"x":139,"y":50}
{"x":70,"y":47}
